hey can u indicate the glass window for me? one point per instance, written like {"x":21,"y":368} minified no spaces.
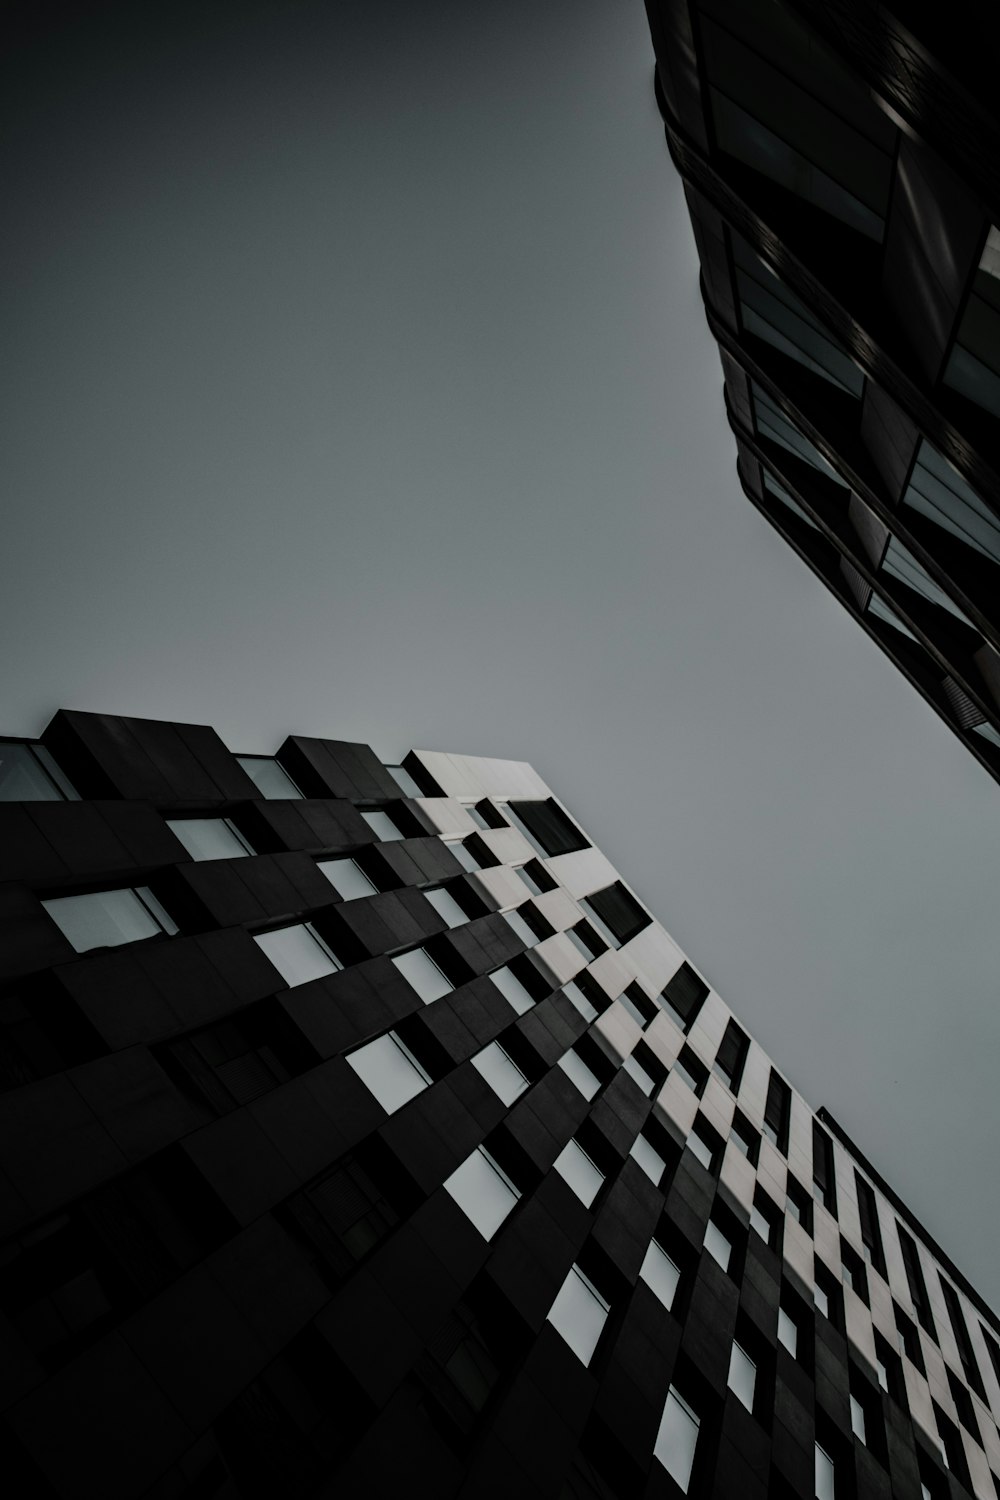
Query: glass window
{"x":900,"y":563}
{"x":774,"y":488}
{"x":463,"y":854}
{"x":788,"y":1333}
{"x":298,"y":953}
{"x":761,"y":1224}
{"x":106,"y":919}
{"x":29,"y":774}
{"x":774,"y":424}
{"x":382,"y":827}
{"x":858,"y":1419}
{"x":347,"y":878}
{"x":717,"y":1245}
{"x":583,"y":942}
{"x":389,"y":1070}
{"x":742,"y":1376}
{"x":483,"y":1192}
{"x":629,"y":1004}
{"x":576,"y":1069}
{"x":822,"y":1299}
{"x":660,"y":1274}
{"x":649,"y":1159}
{"x":938,"y":491}
{"x":419,"y":970}
{"x":974,"y":366}
{"x":677,"y":1439}
{"x":525,"y":873}
{"x":512,"y":989}
{"x":579,"y":1001}
{"x":575,"y":1167}
{"x":825,"y":1477}
{"x":701,"y":1149}
{"x":518,"y":925}
{"x":209,"y":838}
{"x":270,"y":779}
{"x":501,"y":1073}
{"x":447,"y":907}
{"x":635,"y":1070}
{"x":579,"y":1314}
{"x":404,"y":781}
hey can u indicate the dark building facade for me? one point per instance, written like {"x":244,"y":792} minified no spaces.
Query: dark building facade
{"x":840,"y":162}
{"x":362,"y":1134}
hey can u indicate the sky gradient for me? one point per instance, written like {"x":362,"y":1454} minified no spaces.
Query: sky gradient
{"x":357,"y":385}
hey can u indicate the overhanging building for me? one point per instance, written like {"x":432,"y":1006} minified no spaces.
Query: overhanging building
{"x":840,"y":162}
{"x":362,"y":1133}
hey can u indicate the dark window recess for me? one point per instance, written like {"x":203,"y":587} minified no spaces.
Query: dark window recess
{"x":951,"y":1440}
{"x":871,"y":1235}
{"x":776,"y":1111}
{"x":890,"y":1370}
{"x":933,"y":1482}
{"x":540,"y":926}
{"x":284,"y":1433}
{"x":800,"y":1204}
{"x":346,"y":1212}
{"x":828,"y":1295}
{"x":491,"y":814}
{"x":619,"y":911}
{"x":692,"y":1070}
{"x":823,"y":1175}
{"x":77,"y":1274}
{"x":706,"y":1144}
{"x":549,"y":827}
{"x":639,"y":1005}
{"x":963,"y":1404}
{"x":992,"y":1349}
{"x":236,"y":1061}
{"x":466,"y":1359}
{"x":960,"y":1328}
{"x":854,"y":1270}
{"x":915,"y":1280}
{"x":766,"y":1219}
{"x":42,"y":1033}
{"x":587,"y":939}
{"x":536,"y":877}
{"x":731,"y":1056}
{"x":685,"y":995}
{"x":909,"y":1338}
{"x":746,"y":1137}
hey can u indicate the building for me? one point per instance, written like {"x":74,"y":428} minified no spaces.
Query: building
{"x":840,"y":165}
{"x":362,"y":1132}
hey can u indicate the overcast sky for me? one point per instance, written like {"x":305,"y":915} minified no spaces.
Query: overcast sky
{"x":357,"y":385}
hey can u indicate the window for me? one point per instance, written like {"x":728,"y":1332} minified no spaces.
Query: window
{"x":823,"y":1171}
{"x":915,"y":1279}
{"x":29,"y":774}
{"x":693,"y":1071}
{"x":298,"y":953}
{"x":389,"y":1070}
{"x":209,"y":838}
{"x":854,"y":1270}
{"x":909,"y":1338}
{"x":858,"y":1419}
{"x":961,"y":1331}
{"x":788,"y":1332}
{"x":234,"y":1061}
{"x":745,"y":1137}
{"x":684,"y":996}
{"x":660,"y":1274}
{"x":576,"y":1168}
{"x":586,"y":941}
{"x":648,"y":1158}
{"x":270,"y":779}
{"x":616,"y":913}
{"x":677,"y":1439}
{"x":579,"y":1314}
{"x":776,"y":1111}
{"x":742,"y":1376}
{"x":576,"y":1069}
{"x":717,"y":1245}
{"x":422,"y":974}
{"x":461,"y":848}
{"x":731,"y":1057}
{"x":341,"y":1215}
{"x":483,"y":1192}
{"x":501,"y":1072}
{"x":529,"y":877}
{"x":105,"y":919}
{"x":382,"y":826}
{"x":512,"y":989}
{"x":705,"y":1144}
{"x":826,"y":1479}
{"x":640,"y":1008}
{"x":774,"y":425}
{"x":887,"y":1365}
{"x":799,"y":1204}
{"x":447,"y":907}
{"x":347,"y":878}
{"x":404,"y":781}
{"x":579,"y":1001}
{"x":520,"y":928}
{"x":938,"y":492}
{"x":764,"y":1219}
{"x":547,"y":827}
{"x":827,"y":1294}
{"x":974,"y":366}
{"x":640,"y":1075}
{"x":871,"y":1236}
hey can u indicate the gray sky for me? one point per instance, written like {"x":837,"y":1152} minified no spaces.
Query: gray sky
{"x":357,"y":385}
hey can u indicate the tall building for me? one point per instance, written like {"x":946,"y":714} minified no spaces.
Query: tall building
{"x":363,"y":1134}
{"x":840,"y":166}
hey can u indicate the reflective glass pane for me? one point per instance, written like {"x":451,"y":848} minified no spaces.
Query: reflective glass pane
{"x":208,"y":838}
{"x":701,"y":1149}
{"x":389,"y":1070}
{"x":575,"y":1167}
{"x":464,"y":855}
{"x":649,"y":1159}
{"x":717,"y":1245}
{"x":517,"y":924}
{"x":102,"y":919}
{"x":420,"y":970}
{"x":579,"y":1001}
{"x":629,"y":1004}
{"x":825,"y":1479}
{"x":404,"y":781}
{"x":939,"y":492}
{"x":503,"y":1076}
{"x":742,"y":1376}
{"x":512,"y":989}
{"x":158,"y":911}
{"x":760,"y":1224}
{"x":575,"y":1068}
{"x":22,"y":778}
{"x":268,"y":777}
{"x":635,"y":1070}
{"x":347,"y":878}
{"x":529,"y":880}
{"x":447,"y":907}
{"x":483,"y":1192}
{"x":858,"y":1419}
{"x":382,"y":826}
{"x":788,"y":1333}
{"x":298,"y":953}
{"x":579,"y":1314}
{"x":660,"y":1274}
{"x":677,"y":1439}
